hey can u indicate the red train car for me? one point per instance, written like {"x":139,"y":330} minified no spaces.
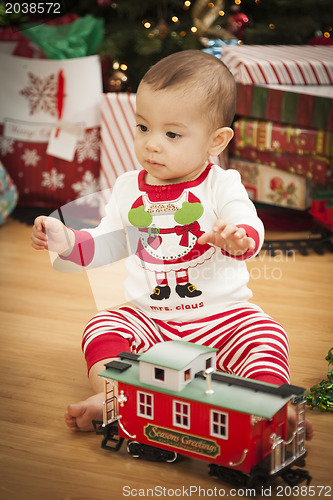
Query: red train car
{"x":169,"y":401}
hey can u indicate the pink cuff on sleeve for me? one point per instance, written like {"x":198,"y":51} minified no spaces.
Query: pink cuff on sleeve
{"x":84,"y":249}
{"x":251,"y":233}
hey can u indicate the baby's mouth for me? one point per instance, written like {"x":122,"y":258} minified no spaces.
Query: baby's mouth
{"x":155,"y":163}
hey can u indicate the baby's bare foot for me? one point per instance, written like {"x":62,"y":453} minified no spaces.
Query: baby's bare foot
{"x":79,"y":416}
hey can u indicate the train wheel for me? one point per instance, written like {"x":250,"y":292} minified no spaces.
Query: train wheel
{"x":134,"y":448}
{"x":295,"y":476}
{"x":139,"y":450}
{"x":227,"y":475}
{"x":173,"y":458}
{"x":258,"y":479}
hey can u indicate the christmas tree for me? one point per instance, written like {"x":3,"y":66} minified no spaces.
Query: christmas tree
{"x":287,"y":22}
{"x":139,"y":33}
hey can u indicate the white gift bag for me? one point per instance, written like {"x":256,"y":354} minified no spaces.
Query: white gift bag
{"x":50,"y":127}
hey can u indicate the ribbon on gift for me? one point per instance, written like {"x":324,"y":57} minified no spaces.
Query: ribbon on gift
{"x":184,"y":231}
{"x":215,"y":47}
{"x":60,"y":96}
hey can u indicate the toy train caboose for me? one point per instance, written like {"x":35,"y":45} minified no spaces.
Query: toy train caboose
{"x":169,"y":400}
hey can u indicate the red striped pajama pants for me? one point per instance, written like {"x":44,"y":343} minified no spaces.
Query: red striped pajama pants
{"x":250,"y":343}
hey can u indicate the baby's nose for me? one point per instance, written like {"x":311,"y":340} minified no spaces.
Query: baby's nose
{"x":153,"y":144}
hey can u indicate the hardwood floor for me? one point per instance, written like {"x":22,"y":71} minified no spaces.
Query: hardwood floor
{"x":43,"y":313}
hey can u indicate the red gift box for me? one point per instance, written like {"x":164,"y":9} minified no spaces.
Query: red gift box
{"x":273,"y":136}
{"x":313,"y":168}
{"x":322,"y":208}
{"x":304,"y":106}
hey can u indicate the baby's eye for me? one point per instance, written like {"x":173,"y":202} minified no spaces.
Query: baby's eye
{"x":173,"y":135}
{"x":141,"y":127}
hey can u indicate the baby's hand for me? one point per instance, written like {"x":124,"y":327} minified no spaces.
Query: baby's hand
{"x":52,"y":234}
{"x":229,"y":237}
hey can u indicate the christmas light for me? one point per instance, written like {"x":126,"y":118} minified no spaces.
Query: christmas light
{"x":123,"y":67}
{"x":194,"y":29}
{"x":271,"y":26}
{"x":221,"y":13}
{"x":211,"y":5}
{"x":147,"y":25}
{"x":175,"y":19}
{"x":187,"y":3}
{"x":327,"y":35}
{"x":238,"y":2}
{"x":115,"y":65}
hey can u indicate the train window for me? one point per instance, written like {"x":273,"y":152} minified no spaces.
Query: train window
{"x":219,"y":424}
{"x":145,"y":405}
{"x":159,"y":374}
{"x":187,"y":375}
{"x":181,"y":414}
{"x":209,"y":363}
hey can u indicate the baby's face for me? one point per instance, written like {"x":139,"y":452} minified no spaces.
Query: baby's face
{"x":172,"y":135}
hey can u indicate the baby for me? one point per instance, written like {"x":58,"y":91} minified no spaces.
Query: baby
{"x":194,"y":228}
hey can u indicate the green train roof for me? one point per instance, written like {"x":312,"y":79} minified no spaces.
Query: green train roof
{"x":230,"y":392}
{"x":175,"y":354}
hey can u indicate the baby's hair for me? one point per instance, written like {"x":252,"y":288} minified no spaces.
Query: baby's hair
{"x":214,"y":84}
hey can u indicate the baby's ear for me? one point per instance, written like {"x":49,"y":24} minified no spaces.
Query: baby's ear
{"x":219,"y":140}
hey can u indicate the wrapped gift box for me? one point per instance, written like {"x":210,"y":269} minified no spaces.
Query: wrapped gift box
{"x":315,"y":168}
{"x":50,"y":182}
{"x":274,"y":187}
{"x":117,"y":136}
{"x":322,"y":208}
{"x":280,"y":64}
{"x":274,"y":136}
{"x":304,"y":106}
{"x":50,"y":101}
